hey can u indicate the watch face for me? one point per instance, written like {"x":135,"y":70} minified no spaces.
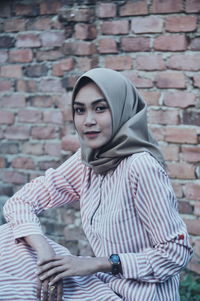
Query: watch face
{"x":115,"y":258}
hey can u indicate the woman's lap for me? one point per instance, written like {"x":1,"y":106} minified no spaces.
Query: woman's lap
{"x":18,"y":280}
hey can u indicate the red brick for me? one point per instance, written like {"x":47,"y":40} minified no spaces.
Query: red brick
{"x":158,"y":132}
{"x":11,"y":71}
{"x":70,"y":143}
{"x":192,"y":6}
{"x":135,"y":44}
{"x":50,"y":85}
{"x":52,"y":38}
{"x":137,"y":80}
{"x":20,"y":56}
{"x":67,"y":113}
{"x":181,"y":170}
{"x":193,"y":226}
{"x":152,"y":24}
{"x":2,"y":162}
{"x":196,"y":79}
{"x":180,"y":135}
{"x":5,"y":85}
{"x":5,"y":10}
{"x":29,"y":116}
{"x":13,"y":101}
{"x":185,"y":208}
{"x":17,"y":132}
{"x":167,"y":6}
{"x":61,"y":67}
{"x":191,"y":153}
{"x":44,"y":165}
{"x":107,"y":45}
{"x":177,"y":189}
{"x":86,"y":63}
{"x":181,"y":23}
{"x":197,"y":208}
{"x":184,"y":62}
{"x":28,"y":40}
{"x":27,"y":85}
{"x":106,"y":10}
{"x":32,"y":148}
{"x":85,"y":31}
{"x":197,"y":247}
{"x":42,"y":101}
{"x":6,"y":117}
{"x":191,"y":117}
{"x":79,"y":48}
{"x":48,"y":55}
{"x":194,"y":266}
{"x":9,"y":148}
{"x":50,"y":7}
{"x":151,"y":97}
{"x":43,"y":23}
{"x":43,"y":132}
{"x":195,"y":44}
{"x":79,"y":14}
{"x":23,"y":163}
{"x":115,"y":27}
{"x":54,"y":117}
{"x":7,"y":41}
{"x":26,"y":9}
{"x":134,"y":8}
{"x":170,"y":152}
{"x":3,"y":56}
{"x":169,"y":80}
{"x":192,"y":191}
{"x":179,"y":99}
{"x":53,"y":149}
{"x":14,"y":177}
{"x":163,"y":116}
{"x":14,"y":25}
{"x":170,"y":43}
{"x":118,"y":62}
{"x":36,"y":70}
{"x":150,"y":62}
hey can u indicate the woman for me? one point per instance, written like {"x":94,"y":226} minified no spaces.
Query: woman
{"x":128,"y":209}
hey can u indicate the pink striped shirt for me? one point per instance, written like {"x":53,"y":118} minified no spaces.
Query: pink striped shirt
{"x":131,"y":211}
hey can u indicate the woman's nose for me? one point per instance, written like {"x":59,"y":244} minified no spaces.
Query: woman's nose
{"x":90,"y":120}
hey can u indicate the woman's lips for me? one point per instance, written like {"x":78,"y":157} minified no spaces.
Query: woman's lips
{"x":92,"y":134}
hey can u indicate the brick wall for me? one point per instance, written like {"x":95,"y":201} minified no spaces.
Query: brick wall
{"x":46,"y":45}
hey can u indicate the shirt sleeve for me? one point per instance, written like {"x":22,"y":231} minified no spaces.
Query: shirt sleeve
{"x":156,"y":206}
{"x":57,"y":187}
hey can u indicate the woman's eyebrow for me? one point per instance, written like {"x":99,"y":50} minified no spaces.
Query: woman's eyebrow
{"x":93,"y":102}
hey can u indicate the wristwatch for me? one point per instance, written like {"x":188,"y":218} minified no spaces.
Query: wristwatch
{"x":116,"y":264}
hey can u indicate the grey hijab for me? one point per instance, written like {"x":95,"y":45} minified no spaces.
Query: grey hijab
{"x":130,"y":132}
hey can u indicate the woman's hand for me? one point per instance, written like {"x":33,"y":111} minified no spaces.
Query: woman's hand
{"x":50,"y":293}
{"x":45,"y":253}
{"x":66,"y":266}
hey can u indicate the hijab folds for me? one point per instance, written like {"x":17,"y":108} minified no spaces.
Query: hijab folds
{"x":130,"y":132}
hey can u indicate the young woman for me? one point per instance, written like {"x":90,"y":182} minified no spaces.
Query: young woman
{"x":128,"y":209}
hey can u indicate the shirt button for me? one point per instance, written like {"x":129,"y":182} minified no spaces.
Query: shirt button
{"x":180,"y":237}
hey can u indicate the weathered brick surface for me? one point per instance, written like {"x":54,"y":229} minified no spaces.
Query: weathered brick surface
{"x":46,"y":45}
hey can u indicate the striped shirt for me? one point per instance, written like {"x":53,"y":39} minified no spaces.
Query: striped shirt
{"x":131,"y":211}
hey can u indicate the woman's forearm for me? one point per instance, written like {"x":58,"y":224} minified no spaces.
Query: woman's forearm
{"x":37,"y":241}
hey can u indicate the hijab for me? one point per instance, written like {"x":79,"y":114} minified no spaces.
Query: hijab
{"x":130,"y":132}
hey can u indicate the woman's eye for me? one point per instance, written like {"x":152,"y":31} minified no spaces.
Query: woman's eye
{"x":79,"y":110}
{"x":101,"y":108}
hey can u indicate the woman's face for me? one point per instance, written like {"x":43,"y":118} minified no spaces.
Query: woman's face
{"x":92,"y":116}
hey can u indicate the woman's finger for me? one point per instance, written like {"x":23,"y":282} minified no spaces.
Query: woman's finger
{"x":47,"y":266}
{"x":50,"y":273}
{"x":59,"y":290}
{"x":39,"y":288}
{"x":45,"y":287}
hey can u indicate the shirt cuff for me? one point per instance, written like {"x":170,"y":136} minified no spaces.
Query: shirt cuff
{"x":135,"y":265}
{"x":22,"y":230}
